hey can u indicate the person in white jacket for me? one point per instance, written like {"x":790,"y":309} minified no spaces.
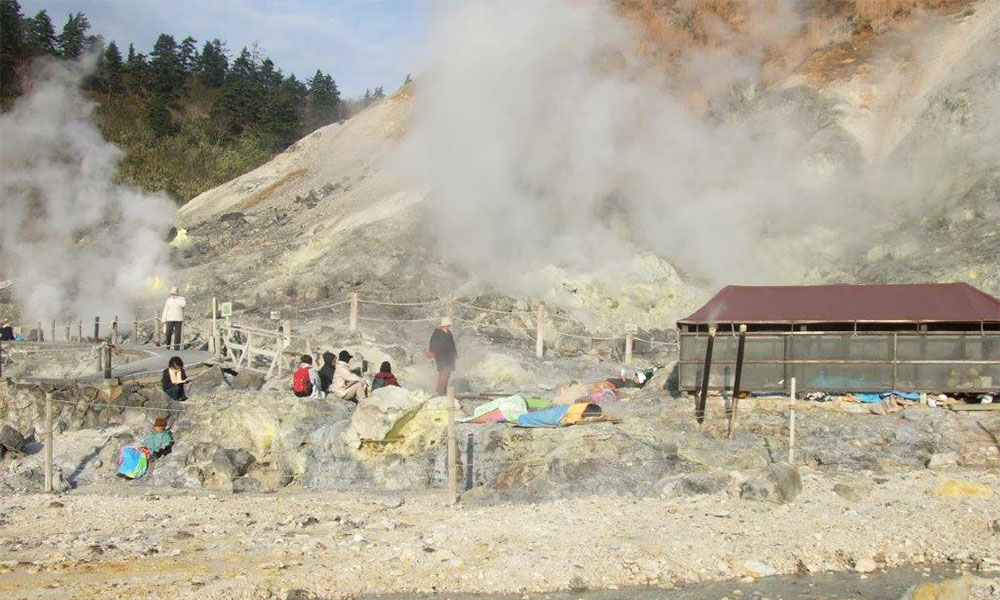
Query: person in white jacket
{"x":347,"y":385}
{"x":173,"y":318}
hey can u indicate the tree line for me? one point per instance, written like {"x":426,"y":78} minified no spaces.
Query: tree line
{"x":251,"y":94}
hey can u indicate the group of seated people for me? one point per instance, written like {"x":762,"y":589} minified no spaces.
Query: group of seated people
{"x":336,"y":377}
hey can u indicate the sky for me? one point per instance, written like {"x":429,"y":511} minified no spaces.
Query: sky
{"x":362,"y":43}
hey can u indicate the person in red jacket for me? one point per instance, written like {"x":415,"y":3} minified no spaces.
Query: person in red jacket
{"x":384,"y":377}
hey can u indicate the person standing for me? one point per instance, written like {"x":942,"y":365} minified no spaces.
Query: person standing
{"x":173,"y":318}
{"x":443,"y":352}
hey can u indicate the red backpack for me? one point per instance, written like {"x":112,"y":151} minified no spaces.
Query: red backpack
{"x":300,"y":382}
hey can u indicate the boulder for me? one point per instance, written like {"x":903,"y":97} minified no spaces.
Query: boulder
{"x":781,"y":483}
{"x":237,"y":459}
{"x":246,"y":484}
{"x":11,"y":438}
{"x":381,"y":412}
{"x":852,"y":492}
{"x":942,"y":460}
{"x":248,"y":380}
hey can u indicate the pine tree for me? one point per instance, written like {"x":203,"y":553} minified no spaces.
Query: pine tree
{"x":13,"y":49}
{"x":212,"y":65}
{"x":158,"y":116}
{"x":112,"y":70}
{"x":367,"y":99}
{"x":135,"y":71}
{"x":166,"y":77}
{"x":379,"y":94}
{"x":324,"y":100}
{"x":281,"y":116}
{"x":238,"y":107}
{"x":407,"y":80}
{"x":188,"y":55}
{"x":42,"y":39}
{"x":73,"y":41}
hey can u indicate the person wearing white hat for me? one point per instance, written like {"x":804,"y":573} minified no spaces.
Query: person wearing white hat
{"x":173,"y":318}
{"x":442,"y":351}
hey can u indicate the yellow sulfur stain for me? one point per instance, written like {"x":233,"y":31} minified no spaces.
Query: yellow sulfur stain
{"x":959,"y":489}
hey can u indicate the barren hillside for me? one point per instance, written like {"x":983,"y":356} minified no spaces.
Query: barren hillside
{"x":904,"y":117}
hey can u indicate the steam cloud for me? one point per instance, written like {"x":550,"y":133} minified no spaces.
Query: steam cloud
{"x":547,"y":138}
{"x":75,"y":243}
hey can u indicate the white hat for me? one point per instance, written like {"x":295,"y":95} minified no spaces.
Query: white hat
{"x":173,"y":291}
{"x":446,"y":322}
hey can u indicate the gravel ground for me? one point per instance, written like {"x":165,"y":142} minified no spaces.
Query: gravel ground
{"x":117,"y":541}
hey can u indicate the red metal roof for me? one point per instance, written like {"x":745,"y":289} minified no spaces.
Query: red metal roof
{"x":915,"y":303}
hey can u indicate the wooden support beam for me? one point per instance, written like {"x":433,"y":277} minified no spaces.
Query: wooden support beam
{"x":699,"y":412}
{"x":734,"y":404}
{"x":452,"y":463}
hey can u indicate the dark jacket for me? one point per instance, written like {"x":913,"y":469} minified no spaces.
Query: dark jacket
{"x":6,"y":334}
{"x":167,"y":384}
{"x":442,"y":349}
{"x":327,"y":370}
{"x":383,"y":379}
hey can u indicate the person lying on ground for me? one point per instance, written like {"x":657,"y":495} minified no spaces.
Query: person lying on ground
{"x":384,"y":377}
{"x":327,"y":370}
{"x":174,"y":379}
{"x":347,"y":385}
{"x":306,"y":381}
{"x":638,"y":380}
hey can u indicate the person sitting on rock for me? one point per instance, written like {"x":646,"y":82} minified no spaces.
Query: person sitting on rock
{"x":327,"y":370}
{"x":6,"y":331}
{"x":384,"y":377}
{"x":174,"y":379}
{"x":347,"y":385}
{"x":159,"y":440}
{"x":133,"y":460}
{"x":306,"y":380}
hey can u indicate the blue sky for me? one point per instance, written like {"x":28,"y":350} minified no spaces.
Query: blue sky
{"x":362,"y":43}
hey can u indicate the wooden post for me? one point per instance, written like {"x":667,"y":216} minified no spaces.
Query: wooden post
{"x":69,"y":336}
{"x":52,"y":338}
{"x":470,"y":447}
{"x":791,"y":426}
{"x":629,"y":343}
{"x":451,"y":307}
{"x":216,"y":346}
{"x":539,"y":333}
{"x":114,"y":331}
{"x":135,"y":329}
{"x":157,"y":329}
{"x":352,"y":321}
{"x":452,"y":466}
{"x":79,"y":330}
{"x":286,"y":329}
{"x":734,"y":406}
{"x":699,"y":412}
{"x":41,"y":332}
{"x":106,"y":350}
{"x":48,"y":442}
{"x":97,"y":328}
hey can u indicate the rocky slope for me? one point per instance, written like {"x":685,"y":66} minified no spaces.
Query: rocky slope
{"x":334,"y":213}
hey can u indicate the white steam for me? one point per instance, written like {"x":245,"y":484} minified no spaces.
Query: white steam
{"x":75,"y":243}
{"x":547,"y":138}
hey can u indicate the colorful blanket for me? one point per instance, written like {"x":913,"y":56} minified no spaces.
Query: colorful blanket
{"x":133,"y":462}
